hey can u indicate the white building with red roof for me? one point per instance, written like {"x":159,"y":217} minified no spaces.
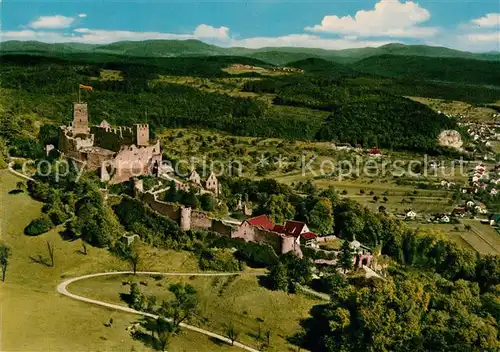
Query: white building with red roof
{"x":283,"y":238}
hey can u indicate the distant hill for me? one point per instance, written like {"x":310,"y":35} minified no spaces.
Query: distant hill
{"x":312,"y":64}
{"x":459,"y":70}
{"x":273,"y":55}
{"x":162,"y":48}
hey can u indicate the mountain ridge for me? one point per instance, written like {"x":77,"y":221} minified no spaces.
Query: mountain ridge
{"x":273,"y":55}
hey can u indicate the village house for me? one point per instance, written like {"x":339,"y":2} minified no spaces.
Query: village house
{"x":442,"y":218}
{"x":410,"y":215}
{"x":481,"y":209}
{"x":195,"y":178}
{"x":459,"y":212}
{"x":283,"y":238}
{"x":210,"y":185}
{"x":375,"y":152}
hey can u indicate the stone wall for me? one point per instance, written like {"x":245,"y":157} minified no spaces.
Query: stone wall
{"x":244,"y":231}
{"x":167,"y":209}
{"x":94,"y":160}
{"x":200,"y":220}
{"x":222,"y":228}
{"x":68,"y":142}
{"x":273,"y":239}
{"x":113,"y":138}
{"x":326,"y":238}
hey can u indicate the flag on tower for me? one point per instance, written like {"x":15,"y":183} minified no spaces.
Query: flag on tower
{"x":86,"y":87}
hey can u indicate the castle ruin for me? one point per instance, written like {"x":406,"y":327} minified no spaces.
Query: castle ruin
{"x":120,"y":153}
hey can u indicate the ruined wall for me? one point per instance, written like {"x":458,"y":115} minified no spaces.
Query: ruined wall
{"x":326,"y":238}
{"x":200,"y":220}
{"x":222,"y":229}
{"x":212,"y":184}
{"x":69,"y":143}
{"x":254,"y":234}
{"x":170,"y":210}
{"x":271,"y":238}
{"x":94,"y":161}
{"x":244,"y":231}
{"x":113,"y":138}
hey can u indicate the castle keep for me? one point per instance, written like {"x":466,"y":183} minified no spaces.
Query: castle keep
{"x":118,"y":152}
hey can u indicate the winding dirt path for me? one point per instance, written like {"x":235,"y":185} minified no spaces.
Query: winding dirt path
{"x":62,"y":288}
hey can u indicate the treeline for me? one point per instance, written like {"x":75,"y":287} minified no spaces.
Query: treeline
{"x":75,"y":202}
{"x":360,"y":115}
{"x":386,"y":121}
{"x":467,"y":71}
{"x":415,"y":312}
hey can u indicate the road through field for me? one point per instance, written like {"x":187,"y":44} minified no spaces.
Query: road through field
{"x":62,"y":288}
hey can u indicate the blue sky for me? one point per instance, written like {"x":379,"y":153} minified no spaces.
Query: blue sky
{"x":467,"y":25}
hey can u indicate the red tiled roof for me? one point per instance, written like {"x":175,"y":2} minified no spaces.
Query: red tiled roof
{"x":261,"y":221}
{"x":279,"y":228}
{"x":309,"y":235}
{"x":293,"y":227}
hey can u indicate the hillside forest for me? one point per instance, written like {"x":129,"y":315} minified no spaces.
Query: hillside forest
{"x":357,"y":104}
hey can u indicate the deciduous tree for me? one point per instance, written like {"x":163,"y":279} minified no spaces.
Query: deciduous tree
{"x":4,"y":259}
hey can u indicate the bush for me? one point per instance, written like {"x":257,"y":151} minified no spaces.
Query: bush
{"x":253,"y":254}
{"x":38,"y":226}
{"x":219,"y":259}
{"x":57,"y":216}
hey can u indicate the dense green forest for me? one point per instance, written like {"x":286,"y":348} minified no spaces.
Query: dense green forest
{"x":433,"y":69}
{"x":359,"y":106}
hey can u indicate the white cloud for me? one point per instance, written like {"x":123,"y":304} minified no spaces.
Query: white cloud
{"x":389,"y":18}
{"x":99,"y":36}
{"x":490,"y":20}
{"x":82,"y":15}
{"x":489,"y":37}
{"x":42,"y":36}
{"x":206,"y":31}
{"x":54,"y":22}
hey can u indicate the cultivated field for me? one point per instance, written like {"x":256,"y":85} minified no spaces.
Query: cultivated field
{"x":482,"y":238}
{"x":458,"y":108}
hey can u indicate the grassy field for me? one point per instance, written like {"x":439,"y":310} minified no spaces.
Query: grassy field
{"x":482,"y":238}
{"x":240,"y":301}
{"x":239,"y":69}
{"x":231,"y":86}
{"x":34,"y":317}
{"x":458,"y":108}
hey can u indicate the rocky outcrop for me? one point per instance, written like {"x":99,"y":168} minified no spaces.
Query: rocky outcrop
{"x":451,"y":139}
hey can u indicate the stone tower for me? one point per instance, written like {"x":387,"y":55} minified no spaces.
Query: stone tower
{"x":287,"y":244}
{"x":185,"y":222}
{"x":142,"y":133}
{"x":80,"y":118}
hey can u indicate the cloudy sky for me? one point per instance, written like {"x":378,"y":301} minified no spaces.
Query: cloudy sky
{"x":329,"y":24}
